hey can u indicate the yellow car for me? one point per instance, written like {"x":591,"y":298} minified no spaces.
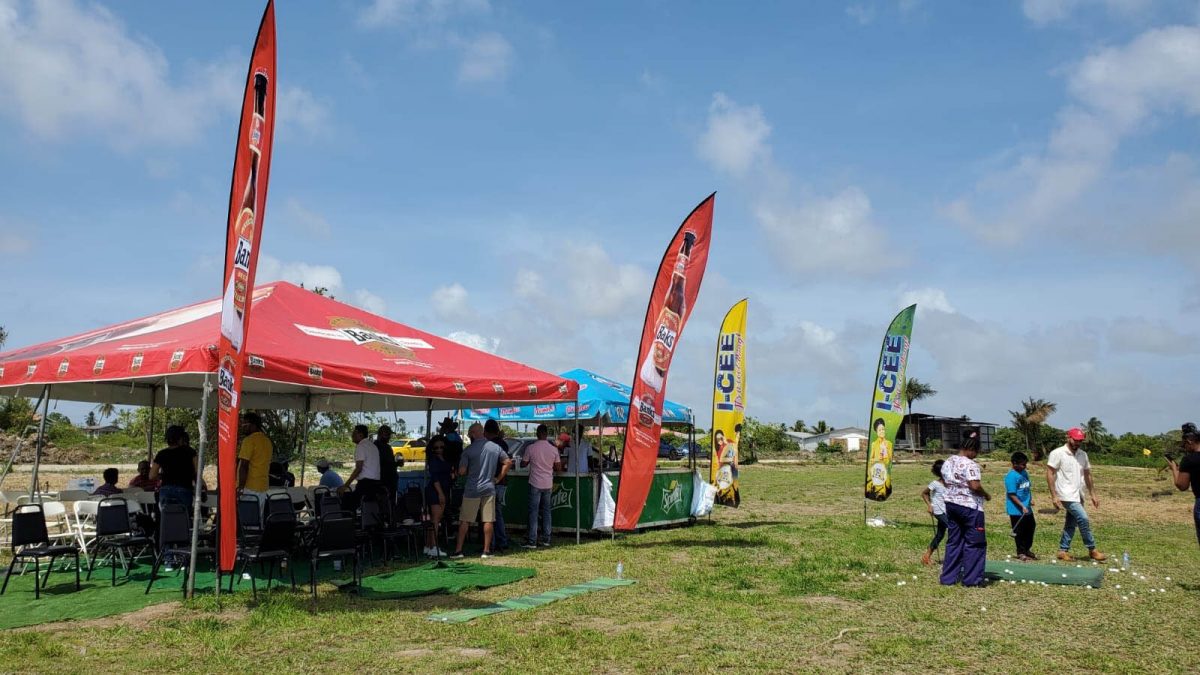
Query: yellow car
{"x":411,"y":449}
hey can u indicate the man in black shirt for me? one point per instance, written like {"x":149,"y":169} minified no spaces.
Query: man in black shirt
{"x":1187,"y":472}
{"x":494,"y":433}
{"x":175,"y":469}
{"x":387,"y":462}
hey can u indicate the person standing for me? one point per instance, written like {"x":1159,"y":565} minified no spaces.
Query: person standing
{"x":966,"y":545}
{"x":254,"y":458}
{"x":542,"y":459}
{"x":174,"y":469}
{"x":366,"y":469}
{"x":493,"y":432}
{"x":478,"y":464}
{"x":437,"y":491}
{"x":934,"y":495}
{"x":1018,"y":503}
{"x":1187,"y":472}
{"x":388,"y":474}
{"x":1067,"y":471}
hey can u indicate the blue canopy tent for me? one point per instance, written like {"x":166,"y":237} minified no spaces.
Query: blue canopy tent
{"x":601,"y":401}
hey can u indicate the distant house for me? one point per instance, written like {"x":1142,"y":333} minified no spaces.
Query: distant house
{"x":98,"y":430}
{"x":847,"y":439}
{"x":947,"y":430}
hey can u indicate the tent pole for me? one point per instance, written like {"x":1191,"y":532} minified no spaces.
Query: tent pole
{"x":304,"y":437}
{"x":191,"y":580}
{"x":41,"y":439}
{"x":150,"y":429}
{"x":428,"y":419}
{"x":578,"y":449}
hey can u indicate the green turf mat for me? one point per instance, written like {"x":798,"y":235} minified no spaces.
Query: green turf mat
{"x":437,"y":577}
{"x":1061,"y":574}
{"x":529,"y":601}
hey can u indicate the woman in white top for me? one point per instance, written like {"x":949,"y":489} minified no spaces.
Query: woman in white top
{"x":966,"y":545}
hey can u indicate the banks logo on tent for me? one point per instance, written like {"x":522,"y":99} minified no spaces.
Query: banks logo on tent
{"x":363,"y":335}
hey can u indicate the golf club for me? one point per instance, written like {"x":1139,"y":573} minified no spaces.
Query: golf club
{"x":1013,"y":533}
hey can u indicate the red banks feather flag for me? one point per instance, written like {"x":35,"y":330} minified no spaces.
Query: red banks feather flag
{"x":247,"y":201}
{"x":671,"y":300}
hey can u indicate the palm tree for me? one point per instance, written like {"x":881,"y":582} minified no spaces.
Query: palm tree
{"x":1029,"y":421}
{"x":106,"y":410}
{"x":798,"y":426}
{"x":91,"y":419}
{"x":820,"y":427}
{"x":915,"y":390}
{"x":1096,"y":434}
{"x":3,"y":336}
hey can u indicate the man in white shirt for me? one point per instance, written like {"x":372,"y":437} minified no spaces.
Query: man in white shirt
{"x":366,"y":468}
{"x":577,"y":453}
{"x":1067,"y":471}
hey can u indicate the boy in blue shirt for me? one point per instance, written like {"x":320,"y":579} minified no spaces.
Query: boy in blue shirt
{"x":1018,"y":503}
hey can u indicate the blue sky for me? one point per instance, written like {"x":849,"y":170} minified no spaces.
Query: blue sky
{"x":509,"y":173}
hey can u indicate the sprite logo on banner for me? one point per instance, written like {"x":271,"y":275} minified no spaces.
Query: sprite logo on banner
{"x":560,"y":497}
{"x":672,"y":496}
{"x":887,"y":405}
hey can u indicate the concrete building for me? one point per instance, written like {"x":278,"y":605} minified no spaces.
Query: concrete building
{"x":846,"y":439}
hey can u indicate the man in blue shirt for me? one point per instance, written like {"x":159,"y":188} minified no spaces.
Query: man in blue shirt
{"x":1018,"y":503}
{"x":329,"y":477}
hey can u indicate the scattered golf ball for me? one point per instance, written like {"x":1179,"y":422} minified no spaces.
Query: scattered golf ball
{"x":1064,"y":576}
{"x":1162,"y":590}
{"x":983,"y":609}
{"x":914,"y":577}
{"x":1124,"y":597}
{"x":863,"y":574}
{"x":1012,"y":582}
{"x":1168,"y":578}
{"x":1133,"y":592}
{"x":1117,"y":586}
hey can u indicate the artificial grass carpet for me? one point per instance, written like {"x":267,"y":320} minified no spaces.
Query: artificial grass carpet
{"x":96,"y":598}
{"x":437,"y":577}
{"x":1064,"y":575}
{"x":529,"y":601}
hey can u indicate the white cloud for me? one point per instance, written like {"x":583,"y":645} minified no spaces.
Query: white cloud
{"x":1117,"y":92}
{"x":1042,"y":12}
{"x":735,"y":138}
{"x":450,"y":302}
{"x":1151,"y":337}
{"x":528,"y":284}
{"x":369,"y":301}
{"x":385,"y":13}
{"x":298,"y":109}
{"x":475,"y":341}
{"x":926,"y":299}
{"x":485,"y":58}
{"x":312,"y":276}
{"x":76,"y":70}
{"x":600,"y":287}
{"x":820,"y":236}
{"x":307,"y":221}
{"x":863,"y":14}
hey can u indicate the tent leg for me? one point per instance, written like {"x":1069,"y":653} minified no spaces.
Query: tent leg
{"x":41,"y":441}
{"x":304,"y":438}
{"x":428,"y":419}
{"x":191,"y":578}
{"x":150,"y":429}
{"x":578,"y":495}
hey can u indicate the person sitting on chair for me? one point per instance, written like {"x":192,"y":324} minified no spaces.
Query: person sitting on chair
{"x":110,"y":484}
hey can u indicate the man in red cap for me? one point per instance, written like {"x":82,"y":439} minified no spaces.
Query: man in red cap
{"x":1067,"y":471}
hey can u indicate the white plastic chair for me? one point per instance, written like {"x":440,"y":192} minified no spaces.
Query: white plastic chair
{"x":85,"y":523}
{"x":73,"y":495}
{"x":132,"y":491}
{"x":58,"y":522}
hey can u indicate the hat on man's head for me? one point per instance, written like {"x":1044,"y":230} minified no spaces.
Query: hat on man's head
{"x":1076,"y":434}
{"x":322,"y":464}
{"x":564,"y":437}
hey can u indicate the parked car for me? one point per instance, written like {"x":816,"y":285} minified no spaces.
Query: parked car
{"x":668,"y":450}
{"x":410,"y":449}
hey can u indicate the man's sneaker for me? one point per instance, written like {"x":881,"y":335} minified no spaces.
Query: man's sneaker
{"x":457,"y":556}
{"x":1097,"y":555}
{"x":485,"y":555}
{"x":427,"y":552}
{"x":544,"y":544}
{"x":529,"y":544}
{"x":1064,"y":556}
{"x":1030,"y":555}
{"x":436,"y":552}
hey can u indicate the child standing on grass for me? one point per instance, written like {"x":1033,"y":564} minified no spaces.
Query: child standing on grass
{"x":935,"y":502}
{"x":1018,"y":503}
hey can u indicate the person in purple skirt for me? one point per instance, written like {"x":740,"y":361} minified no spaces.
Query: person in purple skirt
{"x":966,"y":545}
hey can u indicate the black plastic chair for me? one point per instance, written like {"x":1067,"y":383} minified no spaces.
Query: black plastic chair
{"x":279,"y":504}
{"x":334,"y":539}
{"x":175,"y":539}
{"x":249,"y":516}
{"x":29,"y":533}
{"x":114,"y":532}
{"x":273,"y":547}
{"x":328,"y":503}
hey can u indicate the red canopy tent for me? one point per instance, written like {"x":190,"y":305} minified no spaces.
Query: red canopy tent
{"x":304,"y":350}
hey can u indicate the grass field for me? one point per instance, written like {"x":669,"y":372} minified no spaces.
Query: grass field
{"x":791,"y":582}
